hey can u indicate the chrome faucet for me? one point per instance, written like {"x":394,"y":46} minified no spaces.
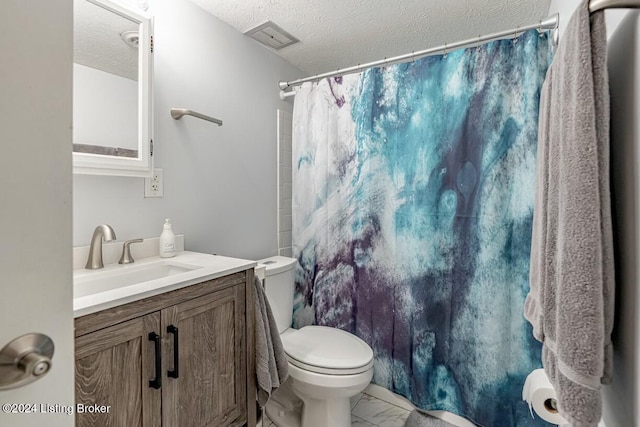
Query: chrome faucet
{"x":101,"y":232}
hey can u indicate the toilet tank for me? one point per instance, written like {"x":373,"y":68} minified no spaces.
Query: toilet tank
{"x":279,"y":286}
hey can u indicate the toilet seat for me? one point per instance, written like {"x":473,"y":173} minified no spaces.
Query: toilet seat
{"x":328,"y":371}
{"x":329,"y":351}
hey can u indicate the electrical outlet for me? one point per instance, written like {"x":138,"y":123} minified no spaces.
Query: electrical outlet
{"x":153,"y":187}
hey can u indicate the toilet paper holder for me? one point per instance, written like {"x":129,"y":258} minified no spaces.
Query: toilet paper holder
{"x":551,"y":405}
{"x":541,"y":397}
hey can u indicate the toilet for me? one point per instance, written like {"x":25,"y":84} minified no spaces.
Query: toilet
{"x":327,"y":366}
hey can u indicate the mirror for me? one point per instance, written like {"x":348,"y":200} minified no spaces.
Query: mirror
{"x":111,"y":89}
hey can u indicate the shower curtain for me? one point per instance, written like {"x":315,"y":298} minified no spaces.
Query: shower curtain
{"x":413,"y":191}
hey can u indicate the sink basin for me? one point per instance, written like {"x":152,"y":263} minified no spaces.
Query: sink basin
{"x":87,"y":282}
{"x":115,"y":284}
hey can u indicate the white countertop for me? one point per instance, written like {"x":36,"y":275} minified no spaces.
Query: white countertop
{"x":209,"y":267}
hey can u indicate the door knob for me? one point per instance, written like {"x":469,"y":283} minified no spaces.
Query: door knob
{"x":24,"y":360}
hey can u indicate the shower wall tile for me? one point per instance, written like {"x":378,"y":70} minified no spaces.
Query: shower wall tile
{"x":286,"y":252}
{"x":285,"y":190}
{"x":285,"y":172}
{"x":285,"y":220}
{"x":286,"y":239}
{"x":285,"y":182}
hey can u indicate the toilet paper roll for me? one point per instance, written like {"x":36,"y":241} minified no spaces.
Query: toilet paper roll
{"x":541,"y":396}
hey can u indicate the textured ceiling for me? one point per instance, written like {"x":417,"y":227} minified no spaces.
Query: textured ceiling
{"x":97,"y":42}
{"x":340,"y":33}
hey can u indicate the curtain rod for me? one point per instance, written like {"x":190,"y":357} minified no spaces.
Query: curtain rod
{"x":595,"y":5}
{"x":550,"y":23}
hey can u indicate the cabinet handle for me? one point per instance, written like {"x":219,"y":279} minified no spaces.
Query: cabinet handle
{"x":173,"y":330}
{"x":157,"y":381}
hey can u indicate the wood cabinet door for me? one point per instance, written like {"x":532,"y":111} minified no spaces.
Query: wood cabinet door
{"x":210,"y":388}
{"x":113,"y":370}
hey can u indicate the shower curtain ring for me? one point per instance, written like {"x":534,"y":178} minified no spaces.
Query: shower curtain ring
{"x":515,"y":36}
{"x":445,"y":51}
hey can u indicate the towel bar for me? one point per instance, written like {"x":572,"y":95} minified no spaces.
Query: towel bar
{"x":177,"y":114}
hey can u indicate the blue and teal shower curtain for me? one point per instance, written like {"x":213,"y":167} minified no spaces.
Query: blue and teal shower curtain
{"x":413,"y":190}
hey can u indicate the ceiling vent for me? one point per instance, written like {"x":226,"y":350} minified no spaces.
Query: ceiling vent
{"x":271,"y":35}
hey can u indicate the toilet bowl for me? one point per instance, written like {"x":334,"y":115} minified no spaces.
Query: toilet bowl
{"x":327,"y":366}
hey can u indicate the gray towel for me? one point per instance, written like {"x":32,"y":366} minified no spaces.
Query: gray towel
{"x":570,"y":304}
{"x":272,"y":367}
{"x":420,"y":419}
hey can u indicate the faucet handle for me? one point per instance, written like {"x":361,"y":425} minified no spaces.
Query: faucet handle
{"x":126,"y":257}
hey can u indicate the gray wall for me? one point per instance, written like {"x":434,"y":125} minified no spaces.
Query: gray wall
{"x":621,"y":408}
{"x":220,"y":185}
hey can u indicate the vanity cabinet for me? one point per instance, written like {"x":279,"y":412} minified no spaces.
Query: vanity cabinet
{"x":110,"y":367}
{"x":181,"y":358}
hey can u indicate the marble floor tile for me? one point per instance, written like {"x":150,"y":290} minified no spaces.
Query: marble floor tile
{"x":266,"y":422}
{"x":380,"y":413}
{"x":359,"y":422}
{"x":367,"y":411}
{"x":355,"y":399}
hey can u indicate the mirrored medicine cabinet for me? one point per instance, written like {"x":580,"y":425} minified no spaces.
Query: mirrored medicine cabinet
{"x":112,"y":89}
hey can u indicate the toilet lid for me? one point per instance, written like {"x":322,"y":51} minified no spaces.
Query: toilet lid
{"x":325,"y":347}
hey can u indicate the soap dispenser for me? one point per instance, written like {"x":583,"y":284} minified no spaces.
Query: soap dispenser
{"x":167,"y":241}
